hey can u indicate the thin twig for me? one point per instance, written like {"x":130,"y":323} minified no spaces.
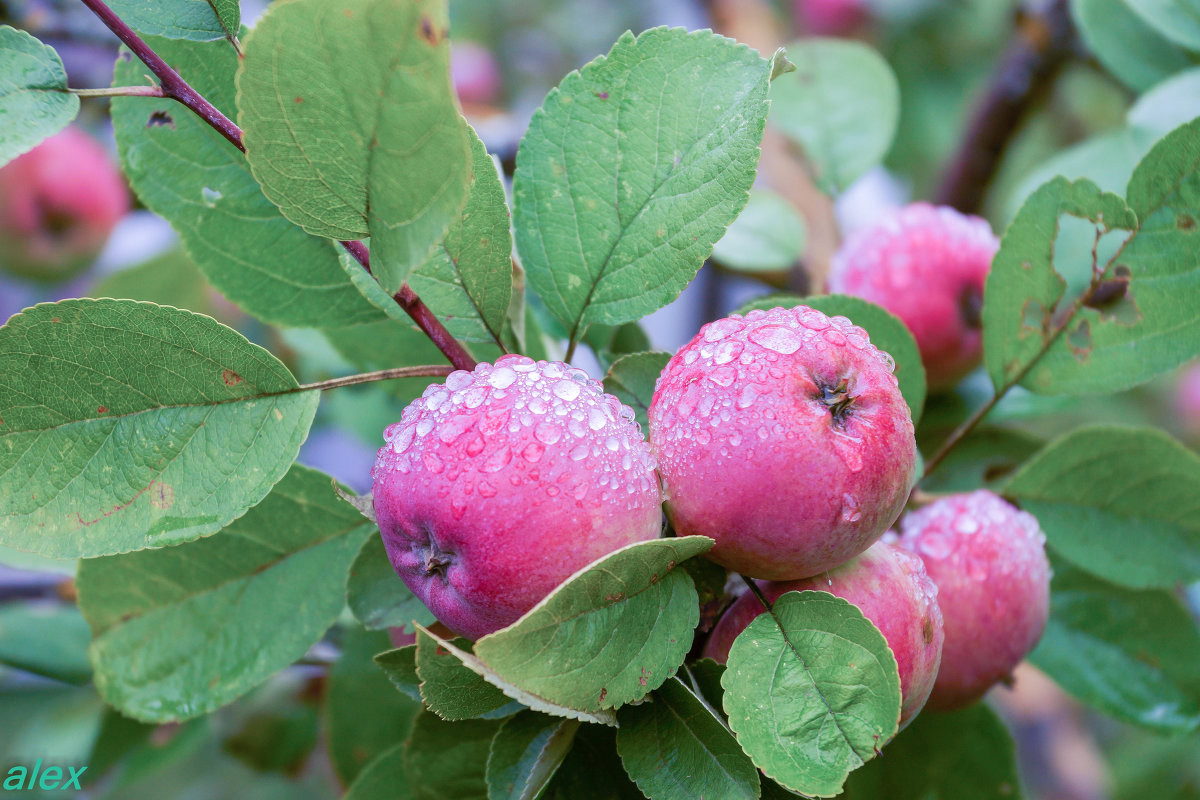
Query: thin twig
{"x":1042,"y":45}
{"x":120,"y":91}
{"x":431,"y":371}
{"x":176,"y":88}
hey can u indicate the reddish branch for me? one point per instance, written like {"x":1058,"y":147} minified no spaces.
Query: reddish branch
{"x":176,"y":88}
{"x":1042,"y":45}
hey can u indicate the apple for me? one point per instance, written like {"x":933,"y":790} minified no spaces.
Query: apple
{"x":499,"y":484}
{"x":889,"y":585}
{"x":58,"y":204}
{"x":988,"y":560}
{"x":474,"y":72}
{"x":927,"y":265}
{"x":783,"y":436}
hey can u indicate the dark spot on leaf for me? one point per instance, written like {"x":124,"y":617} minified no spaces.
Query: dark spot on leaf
{"x":997,"y":471}
{"x":1079,"y":340}
{"x":1114,"y":300}
{"x":55,"y":320}
{"x":162,"y":495}
{"x":231,"y":378}
{"x":441,"y":651}
{"x":427,"y":31}
{"x":927,"y":630}
{"x":349,"y":12}
{"x":601,"y":95}
{"x":102,"y":410}
{"x":298,"y":99}
{"x":160,"y":118}
{"x":603,"y":694}
{"x":1107,"y":293}
{"x":1186,"y":222}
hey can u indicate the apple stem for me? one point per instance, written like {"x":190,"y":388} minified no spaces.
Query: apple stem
{"x":120,"y":91}
{"x":429,"y":371}
{"x":176,"y":88}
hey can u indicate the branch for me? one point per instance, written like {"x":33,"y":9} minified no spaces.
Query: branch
{"x":1042,"y":45}
{"x":176,"y":88}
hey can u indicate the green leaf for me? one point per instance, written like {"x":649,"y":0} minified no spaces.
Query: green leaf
{"x":673,"y":747}
{"x":986,"y":458}
{"x":1137,"y":54}
{"x":404,"y":676}
{"x":612,"y":633}
{"x":963,"y":754}
{"x":162,"y":426}
{"x":173,"y":626}
{"x":632,"y":378}
{"x":384,"y":778}
{"x":194,"y":20}
{"x":767,"y":236}
{"x":1122,"y":503}
{"x":592,"y":770}
{"x":1169,"y":104}
{"x":400,"y":667}
{"x":812,"y":691}
{"x":185,"y":171}
{"x":34,"y":101}
{"x":633,"y":168}
{"x":1134,"y":655}
{"x":46,"y":640}
{"x":168,"y":280}
{"x":468,"y":282}
{"x":376,"y":595}
{"x":527,"y":751}
{"x":363,"y":716}
{"x":610,"y":342}
{"x":1023,"y":289}
{"x":1176,"y":20}
{"x":450,"y":689}
{"x":357,"y":133}
{"x":841,"y":105}
{"x":884,"y":329}
{"x":449,"y":759}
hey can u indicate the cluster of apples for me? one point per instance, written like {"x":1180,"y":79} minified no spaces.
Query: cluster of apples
{"x":782,"y":435}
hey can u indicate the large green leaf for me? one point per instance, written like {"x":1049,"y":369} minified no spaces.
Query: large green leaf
{"x":674,"y":747}
{"x":633,"y":168}
{"x":401,"y":668}
{"x":376,"y":595}
{"x":126,"y":425}
{"x":611,"y":634}
{"x":1177,"y":20}
{"x":449,"y":759}
{"x":841,"y":106}
{"x":1123,"y":42}
{"x":1024,"y":289}
{"x":357,"y":133}
{"x":450,"y":689}
{"x":1138,"y":321}
{"x":884,"y":329}
{"x":34,"y":102}
{"x":592,"y":770}
{"x":768,"y":235}
{"x":170,"y":279}
{"x":468,"y":282}
{"x":632,"y":378}
{"x":385,"y":778}
{"x":1122,"y":503}
{"x":195,"y":20}
{"x":185,"y":171}
{"x":364,"y":717}
{"x":527,"y":751}
{"x":1134,"y":655}
{"x":45,"y":640}
{"x":183,"y":630}
{"x":812,"y":691}
{"x":963,"y":755}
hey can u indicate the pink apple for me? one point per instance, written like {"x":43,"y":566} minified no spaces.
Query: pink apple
{"x":58,"y":204}
{"x":496,"y":486}
{"x":889,"y":585}
{"x":927,"y":265}
{"x":474,"y":72}
{"x":1187,"y":401}
{"x":989,"y":563}
{"x":783,"y":436}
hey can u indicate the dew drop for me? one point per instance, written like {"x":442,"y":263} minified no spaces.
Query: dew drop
{"x":475,"y":446}
{"x":502,"y":377}
{"x":747,"y":396}
{"x":455,"y":427}
{"x":934,"y":545}
{"x":497,"y":460}
{"x":723,"y":376}
{"x":566,"y":390}
{"x":547,"y":432}
{"x":532,"y":452}
{"x":596,"y":418}
{"x":727,"y":351}
{"x":777,"y":338}
{"x":433,"y":462}
{"x":718,"y":330}
{"x":424,"y":427}
{"x":459,"y":380}
{"x":402,"y":440}
{"x":579,"y":452}
{"x":486,"y":489}
{"x":612,"y":444}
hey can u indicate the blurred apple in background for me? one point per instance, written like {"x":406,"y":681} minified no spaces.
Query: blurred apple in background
{"x":475,"y":74}
{"x":58,"y":204}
